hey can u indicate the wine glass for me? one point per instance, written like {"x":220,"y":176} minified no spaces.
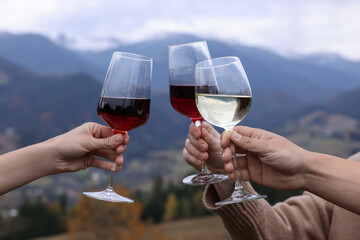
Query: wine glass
{"x":182,"y":61}
{"x":124,"y":103}
{"x":223,"y":97}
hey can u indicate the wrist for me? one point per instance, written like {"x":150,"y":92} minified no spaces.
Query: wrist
{"x":313,"y":170}
{"x":45,"y":160}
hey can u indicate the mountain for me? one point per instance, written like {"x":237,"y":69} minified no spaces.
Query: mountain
{"x":40,"y":107}
{"x":346,"y":104}
{"x":303,"y":78}
{"x":308,"y":82}
{"x":40,"y":55}
{"x":333,"y":61}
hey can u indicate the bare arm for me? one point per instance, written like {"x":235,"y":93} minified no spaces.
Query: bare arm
{"x":274,"y":161}
{"x":69,"y":152}
{"x":334,"y":179}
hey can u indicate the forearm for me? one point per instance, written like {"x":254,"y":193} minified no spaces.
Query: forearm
{"x":334,"y":179}
{"x":23,"y":166}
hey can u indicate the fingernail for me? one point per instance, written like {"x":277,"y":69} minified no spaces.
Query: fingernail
{"x":118,"y":138}
{"x":113,"y":167}
{"x":236,"y":136}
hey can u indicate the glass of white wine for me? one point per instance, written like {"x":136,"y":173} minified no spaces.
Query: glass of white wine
{"x":223,"y":98}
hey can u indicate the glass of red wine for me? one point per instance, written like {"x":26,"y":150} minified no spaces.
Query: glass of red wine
{"x":182,"y":61}
{"x":124,"y":103}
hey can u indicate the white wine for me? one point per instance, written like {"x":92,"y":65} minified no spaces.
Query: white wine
{"x":224,"y":111}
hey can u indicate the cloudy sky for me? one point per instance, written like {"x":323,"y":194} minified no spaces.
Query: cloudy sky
{"x":284,"y":26}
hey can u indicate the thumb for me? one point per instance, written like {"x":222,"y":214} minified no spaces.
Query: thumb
{"x":211,"y":139}
{"x":247,"y":143}
{"x":109,"y":142}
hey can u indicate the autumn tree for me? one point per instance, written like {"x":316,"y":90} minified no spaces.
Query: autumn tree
{"x":171,"y":207}
{"x":94,"y":219}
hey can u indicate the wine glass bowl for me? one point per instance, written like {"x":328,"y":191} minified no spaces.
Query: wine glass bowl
{"x":182,"y":61}
{"x":223,"y":97}
{"x":124,"y":103}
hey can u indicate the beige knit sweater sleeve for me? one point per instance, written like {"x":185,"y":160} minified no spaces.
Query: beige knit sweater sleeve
{"x":302,"y":217}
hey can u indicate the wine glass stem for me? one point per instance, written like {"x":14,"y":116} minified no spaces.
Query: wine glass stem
{"x":238,"y":186}
{"x":204,"y":169}
{"x":110,"y":186}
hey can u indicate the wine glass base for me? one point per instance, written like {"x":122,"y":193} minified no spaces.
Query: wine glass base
{"x":109,"y":196}
{"x":239,"y":197}
{"x":204,"y":179}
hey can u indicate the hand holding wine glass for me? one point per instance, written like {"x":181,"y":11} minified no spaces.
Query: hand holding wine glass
{"x":124,"y":103}
{"x":271,"y":160}
{"x":223,"y":98}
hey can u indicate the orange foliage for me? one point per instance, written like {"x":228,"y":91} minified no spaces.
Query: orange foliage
{"x":94,"y":219}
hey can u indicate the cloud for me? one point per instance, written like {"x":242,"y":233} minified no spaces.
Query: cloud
{"x":285,"y":26}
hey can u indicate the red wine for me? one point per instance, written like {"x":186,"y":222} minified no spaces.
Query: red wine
{"x":182,"y":99}
{"x":124,"y":114}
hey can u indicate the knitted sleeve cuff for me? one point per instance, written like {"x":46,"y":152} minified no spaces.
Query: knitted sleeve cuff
{"x":240,"y":218}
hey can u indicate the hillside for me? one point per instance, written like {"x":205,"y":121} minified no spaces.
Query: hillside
{"x":40,"y":55}
{"x":346,"y":104}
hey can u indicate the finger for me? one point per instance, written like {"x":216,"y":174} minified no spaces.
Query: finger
{"x":98,"y":130}
{"x":230,"y":170}
{"x":197,"y":143}
{"x":108,"y":143}
{"x":106,"y":165}
{"x":247,"y":143}
{"x":108,"y":154}
{"x":253,"y":132}
{"x":229,"y":167}
{"x":227,"y":156}
{"x":195,"y":131}
{"x":242,"y":173}
{"x":121,"y":149}
{"x":194,"y":151}
{"x":191,"y":160}
{"x":211,"y":137}
{"x":210,"y":129}
{"x":225,"y":139}
{"x":126,"y":139}
{"x":119,"y":160}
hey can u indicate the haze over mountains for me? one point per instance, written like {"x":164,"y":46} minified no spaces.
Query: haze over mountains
{"x":47,"y":89}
